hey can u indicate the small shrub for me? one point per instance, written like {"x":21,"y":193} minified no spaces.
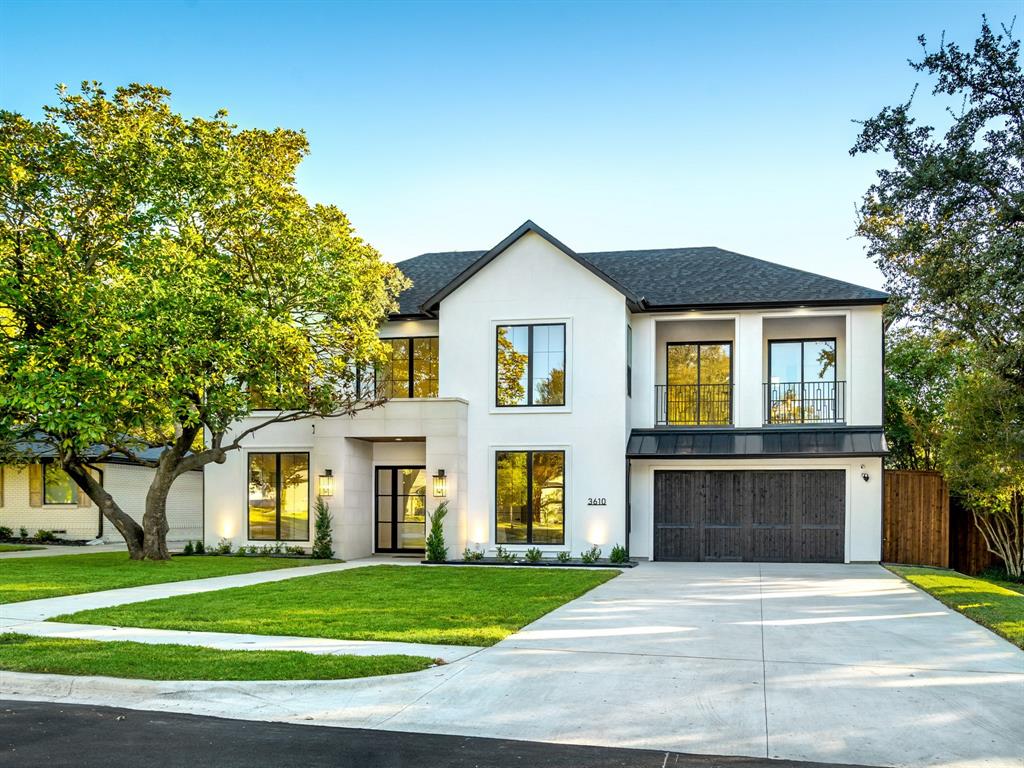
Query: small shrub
{"x":472,"y":555}
{"x":6,"y":533}
{"x":23,"y":532}
{"x":590,"y":556}
{"x":295,"y":550}
{"x":44,"y":535}
{"x":564,"y":557}
{"x":619,"y":554}
{"x":200,"y":548}
{"x":223,"y":547}
{"x":188,"y":549}
{"x":503,"y":554}
{"x":278,"y":548}
{"x":534,"y":555}
{"x":323,"y":541}
{"x":241,"y":551}
{"x":437,"y":552}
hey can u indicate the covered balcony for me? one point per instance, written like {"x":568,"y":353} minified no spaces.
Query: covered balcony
{"x":804,"y":367}
{"x":695,"y":373}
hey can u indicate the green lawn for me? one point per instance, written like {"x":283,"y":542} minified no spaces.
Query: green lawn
{"x":66,"y":656}
{"x":457,"y":606}
{"x":31,"y":578}
{"x":988,"y":603}
{"x":16,"y":547}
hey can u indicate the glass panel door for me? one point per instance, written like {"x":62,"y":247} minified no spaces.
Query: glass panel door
{"x":401,"y":509}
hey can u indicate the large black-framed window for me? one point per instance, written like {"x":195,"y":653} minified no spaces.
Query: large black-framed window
{"x":409,"y":369}
{"x":529,"y":497}
{"x":530,"y":365}
{"x":698,"y":383}
{"x":278,"y":496}
{"x":802,"y":381}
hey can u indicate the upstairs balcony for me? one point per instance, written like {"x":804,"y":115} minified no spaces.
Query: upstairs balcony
{"x":693,"y":405}
{"x":805,"y":402}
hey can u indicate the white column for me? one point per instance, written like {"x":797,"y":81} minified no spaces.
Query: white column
{"x":748,"y":367}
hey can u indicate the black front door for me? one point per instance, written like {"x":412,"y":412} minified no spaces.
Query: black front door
{"x":401,"y":509}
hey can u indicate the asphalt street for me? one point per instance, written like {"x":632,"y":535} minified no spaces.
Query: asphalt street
{"x":48,"y":734}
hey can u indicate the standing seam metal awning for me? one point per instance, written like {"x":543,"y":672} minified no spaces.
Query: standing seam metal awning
{"x":809,"y":442}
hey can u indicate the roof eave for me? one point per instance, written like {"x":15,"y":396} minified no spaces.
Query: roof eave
{"x":649,"y":307}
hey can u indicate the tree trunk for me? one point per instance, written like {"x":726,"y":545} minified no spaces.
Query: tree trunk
{"x":1004,"y":535}
{"x":154,"y":520}
{"x":125,"y":525}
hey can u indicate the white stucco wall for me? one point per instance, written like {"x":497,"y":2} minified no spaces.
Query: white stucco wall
{"x":127,"y":484}
{"x":863,"y":538}
{"x":433,"y":432}
{"x":533,"y":282}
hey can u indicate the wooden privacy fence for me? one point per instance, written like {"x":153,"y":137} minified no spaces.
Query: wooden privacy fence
{"x":921,"y":527}
{"x":915,"y":518}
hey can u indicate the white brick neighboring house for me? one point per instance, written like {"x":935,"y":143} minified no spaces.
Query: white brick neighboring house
{"x":23,"y":503}
{"x":691,"y":403}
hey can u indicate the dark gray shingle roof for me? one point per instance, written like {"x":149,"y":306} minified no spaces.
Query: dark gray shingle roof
{"x":663,"y":278}
{"x":755,"y":443}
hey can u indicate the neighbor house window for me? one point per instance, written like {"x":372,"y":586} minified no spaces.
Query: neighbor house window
{"x":530,"y":365}
{"x":802,"y":381}
{"x":58,"y":487}
{"x":409,"y":368}
{"x":279,"y":496}
{"x":529,"y":491}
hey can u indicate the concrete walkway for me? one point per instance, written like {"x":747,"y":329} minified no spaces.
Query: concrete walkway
{"x":55,"y":550}
{"x":843,"y":664}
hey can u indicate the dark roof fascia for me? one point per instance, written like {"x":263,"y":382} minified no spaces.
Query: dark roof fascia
{"x":430,"y":305}
{"x":669,"y":431}
{"x":412,"y":316}
{"x":646,"y":307}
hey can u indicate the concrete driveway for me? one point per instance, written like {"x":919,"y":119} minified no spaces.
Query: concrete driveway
{"x":831,"y":663}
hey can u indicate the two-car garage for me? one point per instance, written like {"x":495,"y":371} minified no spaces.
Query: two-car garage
{"x":750,"y":515}
{"x":811,"y":495}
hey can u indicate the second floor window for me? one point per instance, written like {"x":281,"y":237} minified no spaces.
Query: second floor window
{"x":802,"y":382}
{"x":698,"y":383}
{"x":530,"y":365}
{"x":409,"y":369}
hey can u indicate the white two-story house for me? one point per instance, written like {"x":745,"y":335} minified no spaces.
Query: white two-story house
{"x":690,"y":403}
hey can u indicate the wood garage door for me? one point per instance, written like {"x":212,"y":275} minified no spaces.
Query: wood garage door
{"x":763,"y":515}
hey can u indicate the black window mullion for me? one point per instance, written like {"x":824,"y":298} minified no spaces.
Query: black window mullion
{"x":411,"y":353}
{"x":529,"y":497}
{"x":700,"y":349}
{"x":394,"y":508}
{"x":529,"y":365}
{"x":277,"y":497}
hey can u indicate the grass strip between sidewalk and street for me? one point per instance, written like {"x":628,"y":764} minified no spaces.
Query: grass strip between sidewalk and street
{"x":415,"y":604}
{"x":33,"y":578}
{"x":16,"y":547}
{"x":144,"y":661}
{"x":993,"y":606}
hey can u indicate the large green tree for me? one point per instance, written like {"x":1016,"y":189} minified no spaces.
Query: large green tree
{"x":945,"y":221}
{"x":160,"y":277}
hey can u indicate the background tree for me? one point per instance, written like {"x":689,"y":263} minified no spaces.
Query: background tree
{"x":983,"y":456}
{"x":945,"y":223}
{"x":162,"y":276}
{"x":921,"y":371}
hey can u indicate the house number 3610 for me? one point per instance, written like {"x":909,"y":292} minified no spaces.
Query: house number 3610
{"x":597,"y":502}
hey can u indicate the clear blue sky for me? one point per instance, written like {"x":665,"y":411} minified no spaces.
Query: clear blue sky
{"x":442,"y":126}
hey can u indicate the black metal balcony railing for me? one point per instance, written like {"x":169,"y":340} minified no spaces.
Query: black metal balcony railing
{"x":694,"y":404}
{"x":808,"y":402}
